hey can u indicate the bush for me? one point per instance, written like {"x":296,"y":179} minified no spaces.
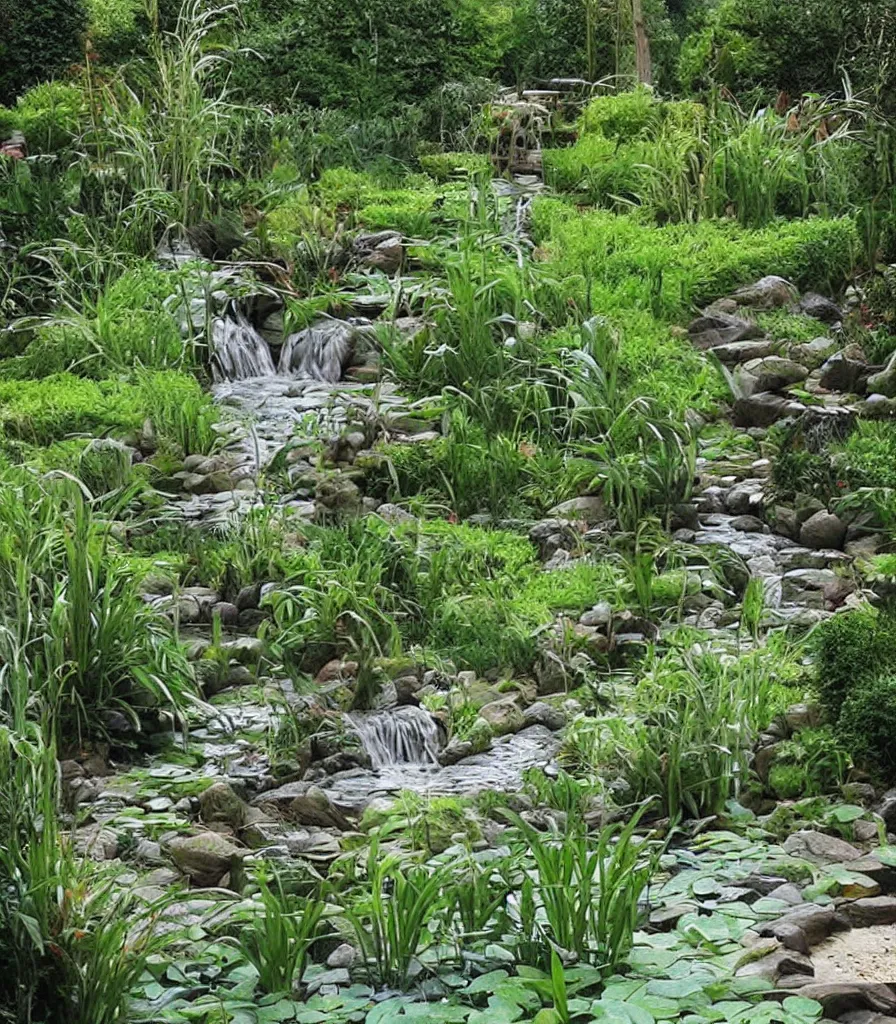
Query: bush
{"x":866,"y":724}
{"x":868,"y":458}
{"x":448,"y":166}
{"x":51,"y":115}
{"x":38,"y":40}
{"x":667,"y":269}
{"x":851,"y":649}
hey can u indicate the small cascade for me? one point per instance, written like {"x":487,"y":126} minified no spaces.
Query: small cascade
{"x":406,"y":735}
{"x":320,"y":352}
{"x":238,"y":351}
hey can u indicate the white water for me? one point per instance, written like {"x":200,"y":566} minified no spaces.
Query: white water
{"x":406,"y":735}
{"x":238,"y":351}
{"x":320,"y":352}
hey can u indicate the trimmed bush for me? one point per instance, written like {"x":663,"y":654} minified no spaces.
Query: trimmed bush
{"x":866,"y":724}
{"x":39,"y":39}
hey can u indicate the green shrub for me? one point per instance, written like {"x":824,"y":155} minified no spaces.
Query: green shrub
{"x":866,"y":721}
{"x":51,"y":115}
{"x":448,"y":166}
{"x":666,"y":269}
{"x":851,"y":649}
{"x":38,"y":40}
{"x":868,"y":457}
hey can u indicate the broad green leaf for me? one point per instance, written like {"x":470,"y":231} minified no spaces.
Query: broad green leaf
{"x":802,"y":1007}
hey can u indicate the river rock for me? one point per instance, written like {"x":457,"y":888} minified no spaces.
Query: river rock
{"x":745,"y":498}
{"x":742,"y":351}
{"x":767,"y":293}
{"x":773,"y":373}
{"x":315,"y":809}
{"x":763,"y":409}
{"x":871,"y":911}
{"x":820,"y":308}
{"x":839,"y":998}
{"x":820,"y":848}
{"x":204,"y":858}
{"x":395,"y":514}
{"x":815,"y":352}
{"x":884,"y":382}
{"x":588,"y":508}
{"x":541,"y":713}
{"x":504,"y":716}
{"x":219,"y":803}
{"x":713,"y":330}
{"x":840,"y":373}
{"x":823,"y":531}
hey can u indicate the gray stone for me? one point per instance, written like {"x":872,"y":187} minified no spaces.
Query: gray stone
{"x":839,"y":998}
{"x":820,"y":308}
{"x":544,"y":714}
{"x":741,"y":351}
{"x":747,"y":524}
{"x":503,"y":716}
{"x":884,"y":382}
{"x":763,"y":409}
{"x":342,"y":956}
{"x":394,"y":514}
{"x":823,"y":531}
{"x":871,"y":911}
{"x":770,"y":374}
{"x":803,"y":716}
{"x":204,"y":858}
{"x":228,"y":613}
{"x":600,"y":615}
{"x":813,"y":353}
{"x":745,"y":498}
{"x":590,"y":509}
{"x":820,"y":848}
{"x":767,"y":293}
{"x":219,"y":803}
{"x":841,"y":373}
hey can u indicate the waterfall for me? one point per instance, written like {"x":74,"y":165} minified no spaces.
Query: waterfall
{"x":406,"y":735}
{"x":238,"y":351}
{"x":320,"y":352}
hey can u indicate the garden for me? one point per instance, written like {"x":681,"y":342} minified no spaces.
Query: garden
{"x":447,"y":512}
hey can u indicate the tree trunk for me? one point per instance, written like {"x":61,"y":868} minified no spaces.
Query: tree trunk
{"x":643,"y":64}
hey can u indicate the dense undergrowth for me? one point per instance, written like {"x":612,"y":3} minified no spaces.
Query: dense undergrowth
{"x":546,"y":367}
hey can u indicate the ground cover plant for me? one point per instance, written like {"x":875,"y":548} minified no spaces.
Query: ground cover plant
{"x":446,"y":509}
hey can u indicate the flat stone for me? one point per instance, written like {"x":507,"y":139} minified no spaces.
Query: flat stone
{"x":742,"y":351}
{"x":839,"y":998}
{"x":763,"y":409}
{"x":823,"y":530}
{"x":204,"y":858}
{"x":820,"y":848}
{"x":871,"y":911}
{"x":769,"y":292}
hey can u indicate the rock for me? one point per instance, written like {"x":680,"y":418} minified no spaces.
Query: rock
{"x":148,"y":853}
{"x":865,"y":547}
{"x":544,"y":714}
{"x":342,"y":956}
{"x":219,"y":803}
{"x":745,"y":498}
{"x":841,"y":373}
{"x":456,"y":750}
{"x":503,"y":716}
{"x":736,"y":352}
{"x":383,"y":251}
{"x":779,"y":963}
{"x":803,"y":716}
{"x":820,"y":308}
{"x":770,"y":374}
{"x":871,"y":912}
{"x":248,"y":597}
{"x":747,"y":524}
{"x":551,"y":674}
{"x":785,"y":521}
{"x":553,"y":535}
{"x":823,"y":531}
{"x":228,"y":613}
{"x":815,"y":923}
{"x":714,"y":330}
{"x":787,"y":893}
{"x":813,"y":353}
{"x":871,"y":866}
{"x":884,"y":382}
{"x":763,"y":409}
{"x":767,"y":293}
{"x":338,"y":496}
{"x":839,"y":998}
{"x":886,"y":809}
{"x":820,"y":848}
{"x":204,"y":858}
{"x":589,"y":509}
{"x":394,"y":514}
{"x":314,"y":808}
{"x":600,"y":615}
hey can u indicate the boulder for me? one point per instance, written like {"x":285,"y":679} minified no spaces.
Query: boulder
{"x":814,"y":353}
{"x":820,"y":848}
{"x":820,"y":308}
{"x":736,"y":352}
{"x":823,"y":531}
{"x":763,"y":409}
{"x":219,"y":803}
{"x":767,"y":293}
{"x":884,"y":382}
{"x":840,"y":373}
{"x":839,"y":998}
{"x":589,"y":508}
{"x":745,"y":498}
{"x":713,"y":330}
{"x":314,"y":809}
{"x":872,"y":911}
{"x":544,"y":714}
{"x":394,"y":514}
{"x":503,"y":716}
{"x":204,"y":858}
{"x":773,"y":373}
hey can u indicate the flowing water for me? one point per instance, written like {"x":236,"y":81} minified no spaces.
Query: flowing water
{"x":238,"y":351}
{"x":406,"y":735}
